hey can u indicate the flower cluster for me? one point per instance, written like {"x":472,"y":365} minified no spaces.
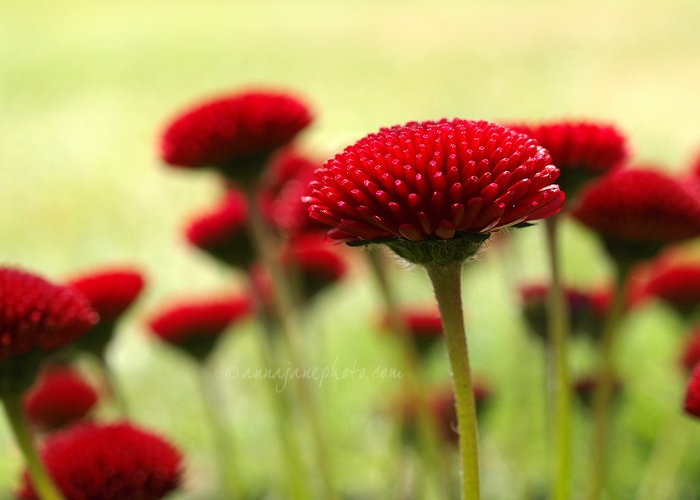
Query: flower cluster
{"x":116,"y":461}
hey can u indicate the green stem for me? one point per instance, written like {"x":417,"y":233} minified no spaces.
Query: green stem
{"x":558,"y":315}
{"x":290,"y":328}
{"x":606,"y":379}
{"x":299,"y":487}
{"x":41,"y":480}
{"x":229,"y":465}
{"x":446,"y":281}
{"x":113,"y":388}
{"x":434,"y":452}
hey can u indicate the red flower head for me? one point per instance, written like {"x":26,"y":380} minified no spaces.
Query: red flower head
{"x":286,"y":183}
{"x":585,"y":387}
{"x":110,"y":291}
{"x":691,"y":350}
{"x":534,"y":302}
{"x":435,"y":181}
{"x":196,"y":326}
{"x":692,"y":397}
{"x":116,"y":462}
{"x":36,"y":314}
{"x":59,"y":397}
{"x":581,"y":150}
{"x":678,"y":285}
{"x":235,"y":134}
{"x":222,"y":232}
{"x":316,"y":264}
{"x":638,"y":212}
{"x":424,"y":327}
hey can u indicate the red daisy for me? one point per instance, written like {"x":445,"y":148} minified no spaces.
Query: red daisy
{"x":640,"y":207}
{"x":195,"y":326}
{"x":59,"y":397}
{"x":422,"y":325}
{"x":235,"y":133}
{"x":691,"y":350}
{"x":115,"y":462}
{"x":692,"y":397}
{"x":110,"y":291}
{"x":286,"y":183}
{"x":36,"y":314}
{"x":534,"y":303}
{"x":317,"y":264}
{"x":434,"y":180}
{"x":222,"y":233}
{"x":581,"y":150}
{"x":676,"y":284}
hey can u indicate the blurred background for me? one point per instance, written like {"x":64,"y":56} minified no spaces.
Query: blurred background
{"x":85,"y":88}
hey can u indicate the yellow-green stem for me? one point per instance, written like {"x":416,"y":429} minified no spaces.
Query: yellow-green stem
{"x":435,"y":453}
{"x":559,"y":333}
{"x":113,"y":387}
{"x":41,"y":480}
{"x":446,"y":281}
{"x":269,"y":254}
{"x":604,"y":390}
{"x":228,"y":462}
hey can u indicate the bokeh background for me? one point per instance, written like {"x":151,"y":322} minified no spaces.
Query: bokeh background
{"x":86,"y":86}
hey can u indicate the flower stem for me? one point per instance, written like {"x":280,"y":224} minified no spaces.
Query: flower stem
{"x":113,"y":388}
{"x":558,"y":315}
{"x":446,"y":281}
{"x":290,"y":328}
{"x":41,"y":480}
{"x":434,"y":452}
{"x":606,"y":378}
{"x":229,"y":465}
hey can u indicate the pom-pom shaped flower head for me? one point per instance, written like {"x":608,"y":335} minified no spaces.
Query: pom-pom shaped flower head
{"x":36,"y":317}
{"x":678,"y":285}
{"x":434,"y":191}
{"x":116,"y":461}
{"x":110,"y":292}
{"x":692,"y":395}
{"x":534,"y":304}
{"x":691,"y":350}
{"x":222,"y":233}
{"x":638,"y":213}
{"x":236,"y":134}
{"x":285,"y":184}
{"x":59,"y":397}
{"x":423,"y":326}
{"x":315,"y":265}
{"x":581,"y":150}
{"x":195,"y":326}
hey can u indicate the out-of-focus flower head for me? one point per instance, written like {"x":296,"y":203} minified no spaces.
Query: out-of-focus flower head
{"x":196,"y":325}
{"x":234,"y":134}
{"x":36,"y":317}
{"x":117,"y":462}
{"x":222,"y":232}
{"x":434,"y":191}
{"x":423,"y":326}
{"x":638,"y":212}
{"x":534,"y":303}
{"x":284,"y":186}
{"x":692,"y":395}
{"x":676,"y":284}
{"x":691,"y":349}
{"x":582,"y":150}
{"x":59,"y":397}
{"x":110,"y":291}
{"x":316,"y":264}
{"x":585,"y":387}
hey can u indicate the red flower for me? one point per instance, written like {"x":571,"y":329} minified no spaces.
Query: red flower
{"x":195,"y":326}
{"x":222,"y":232}
{"x":423,"y":326}
{"x":534,"y":302}
{"x":581,"y":150}
{"x":235,"y":132}
{"x":678,"y":284}
{"x":110,"y":291}
{"x":318,"y":263}
{"x":691,"y":349}
{"x":640,"y":206}
{"x":692,"y":397}
{"x":434,"y":180}
{"x":115,"y":462}
{"x":37,"y":314}
{"x":287,"y":181}
{"x":585,"y":387}
{"x":59,"y":397}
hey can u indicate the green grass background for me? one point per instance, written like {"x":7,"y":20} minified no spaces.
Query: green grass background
{"x":85,"y":87}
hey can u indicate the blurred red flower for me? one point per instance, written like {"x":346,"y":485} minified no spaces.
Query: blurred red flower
{"x":110,"y":291}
